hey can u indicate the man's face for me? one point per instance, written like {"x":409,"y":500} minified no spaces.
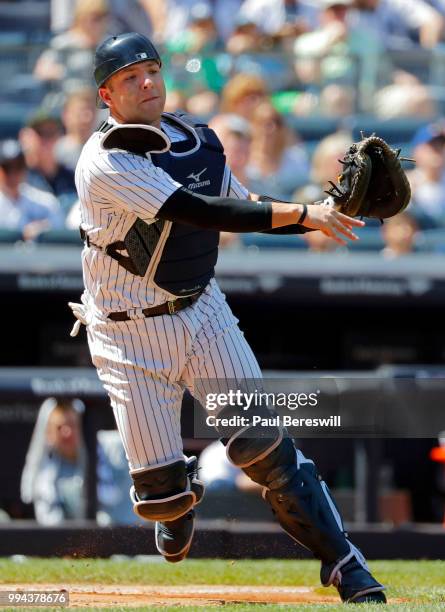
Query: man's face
{"x":79,"y":116}
{"x":431,"y":155}
{"x":136,"y":94}
{"x":40,"y":140}
{"x":63,"y":432}
{"x":236,"y":149}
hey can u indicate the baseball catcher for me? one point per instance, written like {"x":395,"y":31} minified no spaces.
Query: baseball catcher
{"x":155,"y":192}
{"x":373,"y":182}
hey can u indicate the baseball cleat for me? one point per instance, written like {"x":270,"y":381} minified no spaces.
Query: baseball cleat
{"x":377,"y":597}
{"x":174,"y":538}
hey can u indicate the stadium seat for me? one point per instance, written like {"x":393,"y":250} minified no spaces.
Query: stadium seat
{"x":60,"y":237}
{"x":31,"y":19}
{"x":10,"y":235}
{"x":397,"y":132}
{"x":431,"y":241}
{"x":313,"y":128}
{"x":12,"y":118}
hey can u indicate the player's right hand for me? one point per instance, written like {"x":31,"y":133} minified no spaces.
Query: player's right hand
{"x":332,"y":223}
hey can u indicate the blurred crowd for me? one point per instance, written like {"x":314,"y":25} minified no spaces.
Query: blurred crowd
{"x":257,"y":70}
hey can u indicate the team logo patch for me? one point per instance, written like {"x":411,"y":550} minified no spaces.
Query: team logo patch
{"x":196,"y":176}
{"x":140,"y":56}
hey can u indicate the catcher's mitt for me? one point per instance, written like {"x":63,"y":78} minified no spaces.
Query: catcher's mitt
{"x":372,"y":183}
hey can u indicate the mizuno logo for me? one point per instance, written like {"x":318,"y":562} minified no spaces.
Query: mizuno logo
{"x":196,"y":176}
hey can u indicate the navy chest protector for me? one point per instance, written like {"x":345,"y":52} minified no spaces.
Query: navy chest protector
{"x":177,"y":258}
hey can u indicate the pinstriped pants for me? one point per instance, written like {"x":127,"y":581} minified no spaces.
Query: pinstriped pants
{"x":145,"y":364}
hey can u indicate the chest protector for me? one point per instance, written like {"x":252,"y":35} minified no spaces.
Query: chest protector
{"x":177,"y":258}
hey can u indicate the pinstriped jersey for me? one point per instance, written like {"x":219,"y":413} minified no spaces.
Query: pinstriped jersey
{"x":115,"y":187}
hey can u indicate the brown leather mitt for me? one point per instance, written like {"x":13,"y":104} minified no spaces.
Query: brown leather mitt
{"x":372,"y":183}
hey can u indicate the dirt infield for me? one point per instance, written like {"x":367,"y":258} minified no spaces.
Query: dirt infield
{"x":83,"y":595}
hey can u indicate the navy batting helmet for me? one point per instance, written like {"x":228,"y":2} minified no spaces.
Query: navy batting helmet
{"x":117,"y":52}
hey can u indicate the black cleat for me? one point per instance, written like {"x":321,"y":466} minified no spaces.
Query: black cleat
{"x":353,"y":581}
{"x":174,"y":538}
{"x":377,"y":597}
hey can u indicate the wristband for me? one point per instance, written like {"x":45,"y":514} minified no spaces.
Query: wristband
{"x":303,"y":215}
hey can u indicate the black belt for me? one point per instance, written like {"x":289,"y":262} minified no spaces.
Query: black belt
{"x":166,"y":308}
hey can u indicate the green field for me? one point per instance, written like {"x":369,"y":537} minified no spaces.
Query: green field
{"x":421,"y":584}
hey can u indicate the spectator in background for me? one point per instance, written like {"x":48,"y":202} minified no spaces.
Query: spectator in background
{"x":398,"y":24}
{"x":334,"y":100}
{"x":173,"y":16}
{"x":325,"y":162}
{"x":54,"y":476}
{"x":242,"y":94}
{"x":79,"y":119}
{"x":219,"y":474}
{"x":200,"y":43}
{"x":176,"y":100}
{"x":318,"y":242}
{"x":337,"y":100}
{"x":125,"y":16}
{"x":323,"y":53}
{"x":225,"y":13}
{"x":235,"y":134}
{"x":399,"y":234}
{"x":68,"y":63}
{"x":23,"y":207}
{"x":39,"y":139}
{"x":282,"y":18}
{"x":278,"y":164}
{"x":427,"y":179}
{"x":199,"y":36}
{"x":203,"y":103}
{"x":405,"y":97}
{"x":246,"y":37}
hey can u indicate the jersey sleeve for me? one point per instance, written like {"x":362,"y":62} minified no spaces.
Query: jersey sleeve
{"x":132,"y":183}
{"x":237,"y":189}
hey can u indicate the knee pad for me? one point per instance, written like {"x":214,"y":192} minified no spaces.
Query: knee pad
{"x":245,"y":451}
{"x":269,"y":461}
{"x":167,"y":491}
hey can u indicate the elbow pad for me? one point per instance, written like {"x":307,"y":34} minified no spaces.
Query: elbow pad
{"x":216,"y":213}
